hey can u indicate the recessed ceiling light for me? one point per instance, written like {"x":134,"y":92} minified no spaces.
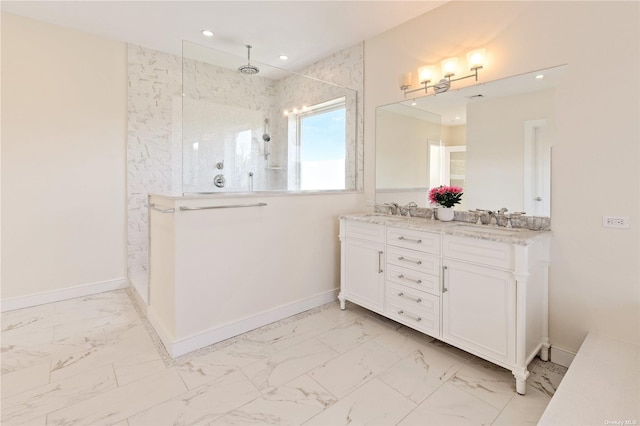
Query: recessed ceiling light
{"x":540,"y":76}
{"x":207,"y":33}
{"x":284,"y":57}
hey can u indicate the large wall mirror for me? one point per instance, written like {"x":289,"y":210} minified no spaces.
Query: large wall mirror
{"x":493,"y":139}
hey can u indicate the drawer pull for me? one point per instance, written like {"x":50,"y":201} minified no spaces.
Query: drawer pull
{"x":444,"y":270}
{"x":402,"y":277}
{"x":380,"y":253}
{"x":415,"y":299}
{"x":416,"y":319}
{"x":411,"y":240}
{"x":404,"y":259}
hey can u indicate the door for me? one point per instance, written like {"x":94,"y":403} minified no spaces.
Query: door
{"x":365,"y":274}
{"x":478,"y":309}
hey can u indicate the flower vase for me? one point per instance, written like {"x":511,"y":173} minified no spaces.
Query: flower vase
{"x":445,"y":214}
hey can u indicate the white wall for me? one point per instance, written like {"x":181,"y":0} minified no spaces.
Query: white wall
{"x":595,"y":271}
{"x":64,"y":99}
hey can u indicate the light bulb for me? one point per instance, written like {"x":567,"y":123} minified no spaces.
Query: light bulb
{"x":426,"y":74}
{"x":449,"y":66}
{"x":475,"y":58}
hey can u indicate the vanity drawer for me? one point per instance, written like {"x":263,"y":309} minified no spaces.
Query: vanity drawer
{"x":413,"y":308}
{"x":482,"y":252}
{"x":414,"y":279}
{"x":415,"y":240}
{"x":413,"y":259}
{"x":365,"y":231}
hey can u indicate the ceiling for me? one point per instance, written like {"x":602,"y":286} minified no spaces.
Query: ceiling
{"x":305,"y":31}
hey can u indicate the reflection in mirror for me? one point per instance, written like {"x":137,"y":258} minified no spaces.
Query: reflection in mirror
{"x":269,"y":129}
{"x":493,"y":139}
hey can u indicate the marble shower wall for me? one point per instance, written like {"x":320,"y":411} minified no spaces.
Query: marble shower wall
{"x":154,"y":162}
{"x":156,"y":124}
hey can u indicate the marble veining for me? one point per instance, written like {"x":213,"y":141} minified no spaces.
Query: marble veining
{"x":323,"y":366}
{"x":518,"y":236}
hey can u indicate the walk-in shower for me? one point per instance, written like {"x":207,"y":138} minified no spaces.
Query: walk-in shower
{"x":274,"y":130}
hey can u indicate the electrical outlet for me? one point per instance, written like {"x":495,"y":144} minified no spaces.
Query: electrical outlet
{"x":615,"y":221}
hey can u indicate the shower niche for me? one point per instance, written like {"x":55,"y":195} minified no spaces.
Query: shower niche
{"x":271,"y":129}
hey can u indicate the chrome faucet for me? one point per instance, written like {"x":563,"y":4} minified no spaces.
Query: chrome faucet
{"x":406,"y":210}
{"x":394,"y":208}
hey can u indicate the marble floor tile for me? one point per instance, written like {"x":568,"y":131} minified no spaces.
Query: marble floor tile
{"x":347,"y":336}
{"x":27,"y":337}
{"x":85,"y":334}
{"x":422,"y":372}
{"x":37,"y":402}
{"x":120,"y":403}
{"x":351,"y":370}
{"x":201,"y":369}
{"x":288,"y":364}
{"x":292,"y":333}
{"x":451,"y":406}
{"x":404,"y":341}
{"x":523,"y":410}
{"x":127,"y":372}
{"x":486,"y":381}
{"x":135,"y":345}
{"x":37,"y":316}
{"x":25,"y":379}
{"x":17,"y":358}
{"x":95,"y":360}
{"x":200,"y":406}
{"x":374,"y":403}
{"x":290,"y":404}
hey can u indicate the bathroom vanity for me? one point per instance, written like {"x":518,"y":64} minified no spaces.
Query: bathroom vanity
{"x":483,"y":289}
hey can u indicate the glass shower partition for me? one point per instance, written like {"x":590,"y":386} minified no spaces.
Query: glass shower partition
{"x":244,"y":132}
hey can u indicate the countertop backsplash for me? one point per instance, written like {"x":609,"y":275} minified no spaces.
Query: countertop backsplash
{"x":536,"y":223}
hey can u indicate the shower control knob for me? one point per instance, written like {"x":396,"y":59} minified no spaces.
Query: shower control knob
{"x":218,"y":181}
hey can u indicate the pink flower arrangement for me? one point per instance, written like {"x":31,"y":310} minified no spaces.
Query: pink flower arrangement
{"x":446,"y":196}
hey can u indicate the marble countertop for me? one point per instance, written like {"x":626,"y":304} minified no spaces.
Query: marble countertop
{"x":484,"y":232}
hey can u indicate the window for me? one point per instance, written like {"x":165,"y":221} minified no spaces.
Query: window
{"x":320,"y":162}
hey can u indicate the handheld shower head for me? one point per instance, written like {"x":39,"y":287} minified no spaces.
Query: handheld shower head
{"x":249,"y":69}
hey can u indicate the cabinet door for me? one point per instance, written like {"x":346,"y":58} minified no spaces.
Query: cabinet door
{"x":365,"y":274}
{"x":479,"y":309}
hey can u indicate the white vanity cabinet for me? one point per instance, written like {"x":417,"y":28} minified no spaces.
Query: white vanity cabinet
{"x":486,"y":297}
{"x":363,"y":257}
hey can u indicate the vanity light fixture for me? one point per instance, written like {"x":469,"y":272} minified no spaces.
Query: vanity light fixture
{"x":449,"y":66}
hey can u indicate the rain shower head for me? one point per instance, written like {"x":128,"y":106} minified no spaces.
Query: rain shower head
{"x":249,"y":69}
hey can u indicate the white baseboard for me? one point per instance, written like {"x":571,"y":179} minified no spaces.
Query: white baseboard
{"x":208,"y":337}
{"x":561,"y":356}
{"x":62,"y":294}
